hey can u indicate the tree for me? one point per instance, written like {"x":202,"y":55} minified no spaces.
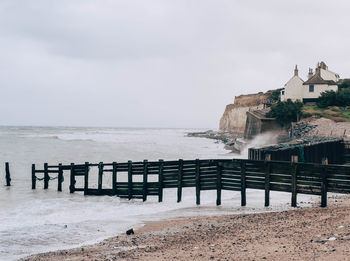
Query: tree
{"x":275,"y":95}
{"x":345,"y":84}
{"x":343,"y":97}
{"x":286,"y":112}
{"x":327,"y":98}
{"x":330,"y":98}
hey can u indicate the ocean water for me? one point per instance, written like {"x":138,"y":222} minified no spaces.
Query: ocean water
{"x":34,"y":221}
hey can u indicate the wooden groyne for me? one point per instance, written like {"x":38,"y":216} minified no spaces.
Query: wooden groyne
{"x":225,"y":174}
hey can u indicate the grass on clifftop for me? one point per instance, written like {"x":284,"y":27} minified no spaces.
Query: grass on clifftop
{"x":333,"y":112}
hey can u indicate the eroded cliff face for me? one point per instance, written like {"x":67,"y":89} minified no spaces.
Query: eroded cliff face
{"x":235,"y":115}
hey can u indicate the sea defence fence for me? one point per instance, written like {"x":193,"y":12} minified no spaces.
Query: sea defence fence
{"x":336,"y":150}
{"x":220,"y":174}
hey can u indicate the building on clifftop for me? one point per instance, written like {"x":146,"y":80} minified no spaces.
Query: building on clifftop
{"x":293,"y":89}
{"x":320,"y":81}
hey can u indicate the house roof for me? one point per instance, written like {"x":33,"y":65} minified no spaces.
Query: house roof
{"x":293,"y":79}
{"x":317,"y":79}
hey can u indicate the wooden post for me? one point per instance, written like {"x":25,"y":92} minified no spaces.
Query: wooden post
{"x":179,"y":181}
{"x":100,"y":175}
{"x":160,"y":180}
{"x":324,"y":183}
{"x":46,"y":176}
{"x":72,"y":179}
{"x":267,"y":183}
{"x":218,"y":184}
{"x":60,"y":177}
{"x":268,"y":156}
{"x":243,"y":185}
{"x":145,"y":173}
{"x":198,"y":183}
{"x":114,"y":178}
{"x":7,"y":176}
{"x":294,"y":173}
{"x":294,"y":158}
{"x":130,"y":179}
{"x":86,"y":178}
{"x":33,"y":177}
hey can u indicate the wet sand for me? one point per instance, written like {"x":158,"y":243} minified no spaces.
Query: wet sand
{"x":300,"y":234}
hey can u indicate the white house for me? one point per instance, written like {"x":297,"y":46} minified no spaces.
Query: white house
{"x":293,"y":89}
{"x":320,"y":81}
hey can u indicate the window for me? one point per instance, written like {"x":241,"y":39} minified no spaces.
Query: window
{"x":282,"y":92}
{"x":311,"y":88}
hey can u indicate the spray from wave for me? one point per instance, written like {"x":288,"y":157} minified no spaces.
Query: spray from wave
{"x":263,"y":139}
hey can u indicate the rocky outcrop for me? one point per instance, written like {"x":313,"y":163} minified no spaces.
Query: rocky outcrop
{"x":301,"y":129}
{"x":235,"y":115}
{"x":226,"y":137}
{"x":321,"y":127}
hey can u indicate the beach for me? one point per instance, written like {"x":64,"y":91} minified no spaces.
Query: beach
{"x":302,"y":234}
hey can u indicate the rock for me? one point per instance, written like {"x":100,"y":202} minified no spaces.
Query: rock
{"x":130,"y":232}
{"x":229,"y":138}
{"x":302,"y":129}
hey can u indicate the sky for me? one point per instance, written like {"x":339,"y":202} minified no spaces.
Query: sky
{"x":157,"y":63}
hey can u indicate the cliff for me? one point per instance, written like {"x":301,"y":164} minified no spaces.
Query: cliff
{"x":235,"y":115}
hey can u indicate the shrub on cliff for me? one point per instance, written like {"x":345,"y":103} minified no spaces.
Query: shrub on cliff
{"x":326,"y":99}
{"x":275,"y":95}
{"x":330,"y":98}
{"x":343,"y":97}
{"x":344,"y":84}
{"x":286,"y":112}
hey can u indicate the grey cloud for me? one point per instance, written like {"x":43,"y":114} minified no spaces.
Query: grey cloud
{"x":156,"y":63}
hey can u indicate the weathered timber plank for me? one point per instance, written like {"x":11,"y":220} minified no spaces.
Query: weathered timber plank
{"x":197,"y":181}
{"x":231,"y":188}
{"x":100,"y":175}
{"x":86,"y":178}
{"x":294,"y":174}
{"x":255,"y":185}
{"x":145,"y":173}
{"x":33,"y":177}
{"x":218,"y":185}
{"x":334,"y":182}
{"x":46,"y":176}
{"x":114,"y":177}
{"x":130,"y":185}
{"x":160,"y":180}
{"x":72,"y":179}
{"x":60,"y":177}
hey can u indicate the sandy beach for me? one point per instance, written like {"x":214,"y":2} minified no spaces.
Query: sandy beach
{"x":301,"y":234}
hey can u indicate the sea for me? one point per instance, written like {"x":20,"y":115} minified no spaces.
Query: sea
{"x":35,"y":221}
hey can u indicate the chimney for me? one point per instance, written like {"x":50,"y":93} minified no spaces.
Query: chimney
{"x":323,"y":65}
{"x":318,"y":71}
{"x":296,"y":70}
{"x":310,"y":73}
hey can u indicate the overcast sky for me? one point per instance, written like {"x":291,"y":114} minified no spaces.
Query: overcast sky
{"x":157,"y":63}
